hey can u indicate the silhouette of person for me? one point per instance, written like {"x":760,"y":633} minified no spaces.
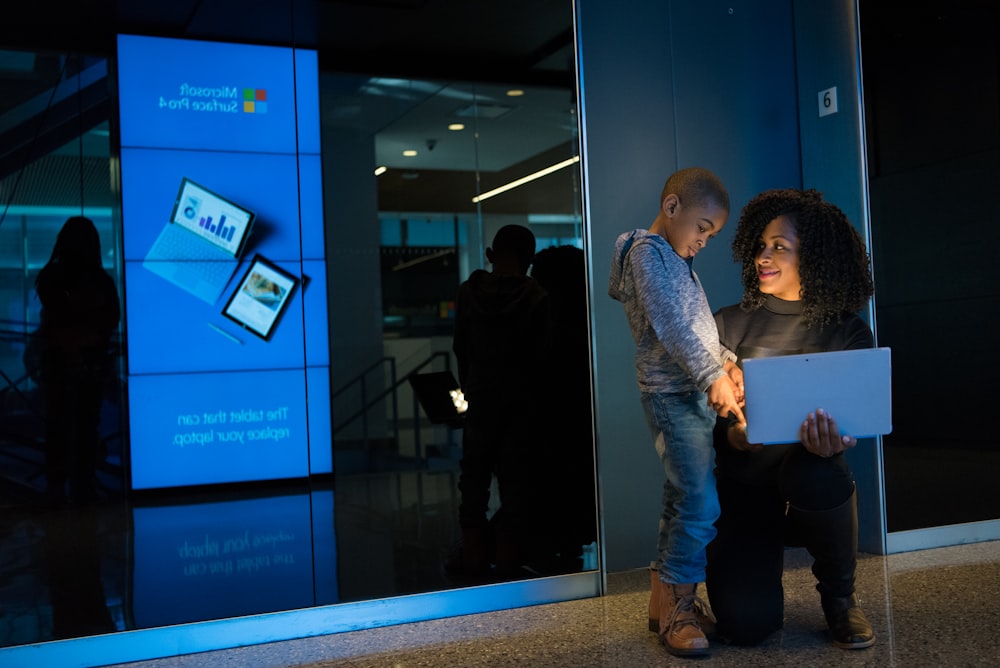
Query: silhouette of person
{"x":79,"y":315}
{"x":501,"y":339}
{"x":72,"y":553}
{"x":569,"y":482}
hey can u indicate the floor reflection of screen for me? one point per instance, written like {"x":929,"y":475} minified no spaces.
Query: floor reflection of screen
{"x":195,"y":562}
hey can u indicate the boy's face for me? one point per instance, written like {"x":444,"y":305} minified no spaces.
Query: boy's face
{"x":688,"y":229}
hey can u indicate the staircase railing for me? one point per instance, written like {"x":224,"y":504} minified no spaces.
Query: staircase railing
{"x":360,"y":382}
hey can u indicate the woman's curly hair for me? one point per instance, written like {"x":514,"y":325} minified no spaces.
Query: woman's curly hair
{"x":834,"y":265}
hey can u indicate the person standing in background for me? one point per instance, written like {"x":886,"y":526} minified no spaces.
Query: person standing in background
{"x":79,"y":315}
{"x":569,"y":480}
{"x":502,"y":339}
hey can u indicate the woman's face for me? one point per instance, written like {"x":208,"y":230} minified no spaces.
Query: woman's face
{"x":777,"y":260}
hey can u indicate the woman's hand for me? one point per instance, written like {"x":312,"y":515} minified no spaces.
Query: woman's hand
{"x":820,"y":436}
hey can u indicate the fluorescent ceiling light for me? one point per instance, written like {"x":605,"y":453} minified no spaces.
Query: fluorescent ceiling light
{"x":554,"y":219}
{"x":481,"y":110}
{"x":380,"y":170}
{"x":526,"y":179}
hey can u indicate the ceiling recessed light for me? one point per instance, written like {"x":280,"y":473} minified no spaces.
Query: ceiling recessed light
{"x":409,"y":153}
{"x":455,"y":127}
{"x":515,"y":92}
{"x":380,"y":170}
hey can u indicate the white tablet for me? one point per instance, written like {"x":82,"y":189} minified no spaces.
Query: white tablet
{"x":854,"y":386}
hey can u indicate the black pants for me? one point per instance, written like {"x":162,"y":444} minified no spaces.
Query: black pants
{"x":500,"y":438}
{"x":72,"y":436}
{"x":785,"y":497}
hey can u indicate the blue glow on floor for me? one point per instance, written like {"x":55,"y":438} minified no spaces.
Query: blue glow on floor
{"x":141,"y":645}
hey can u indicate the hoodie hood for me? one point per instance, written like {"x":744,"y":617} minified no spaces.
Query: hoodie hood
{"x":677,"y":343}
{"x":617,"y":286}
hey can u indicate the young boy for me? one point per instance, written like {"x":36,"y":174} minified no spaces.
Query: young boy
{"x":678,"y":360}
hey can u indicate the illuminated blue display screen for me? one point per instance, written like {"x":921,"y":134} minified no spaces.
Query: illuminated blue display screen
{"x":210,"y":95}
{"x":210,"y":401}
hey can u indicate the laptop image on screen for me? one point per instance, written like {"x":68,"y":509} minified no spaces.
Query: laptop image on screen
{"x":199,"y":249}
{"x":854,"y":386}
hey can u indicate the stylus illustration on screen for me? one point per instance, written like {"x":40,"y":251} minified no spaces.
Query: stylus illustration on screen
{"x":225,"y":333}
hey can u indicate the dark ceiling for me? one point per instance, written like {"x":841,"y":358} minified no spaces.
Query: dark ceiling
{"x":520,"y":41}
{"x":450,"y":42}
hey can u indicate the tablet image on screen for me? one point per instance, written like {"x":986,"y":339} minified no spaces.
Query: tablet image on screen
{"x":261,"y":297}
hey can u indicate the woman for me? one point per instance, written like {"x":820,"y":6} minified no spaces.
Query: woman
{"x":806,"y":276}
{"x":80,"y":312}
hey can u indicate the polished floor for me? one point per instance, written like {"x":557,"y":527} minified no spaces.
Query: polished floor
{"x":79,"y":572}
{"x":937,"y":607}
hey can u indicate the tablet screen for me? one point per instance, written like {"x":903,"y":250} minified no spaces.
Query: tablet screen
{"x":261,"y":297}
{"x":853,"y":386}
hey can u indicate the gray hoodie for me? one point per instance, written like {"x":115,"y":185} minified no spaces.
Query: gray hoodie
{"x":677,"y":343}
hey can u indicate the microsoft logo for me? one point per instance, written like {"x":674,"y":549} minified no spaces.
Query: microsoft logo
{"x":255,"y":100}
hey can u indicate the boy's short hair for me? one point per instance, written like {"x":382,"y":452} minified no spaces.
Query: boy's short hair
{"x":696,"y":186}
{"x":515,"y":241}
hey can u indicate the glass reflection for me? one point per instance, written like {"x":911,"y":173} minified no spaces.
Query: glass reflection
{"x":63,"y":566}
{"x":198,"y":560}
{"x":443,"y":146}
{"x":383,"y":523}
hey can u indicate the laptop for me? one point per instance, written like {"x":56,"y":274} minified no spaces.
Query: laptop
{"x":199,"y":249}
{"x":854,"y":386}
{"x":440,"y":397}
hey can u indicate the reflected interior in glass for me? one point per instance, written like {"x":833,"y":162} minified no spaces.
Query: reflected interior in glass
{"x":384,"y":522}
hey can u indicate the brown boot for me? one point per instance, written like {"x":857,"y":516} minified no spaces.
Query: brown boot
{"x":654,"y":598}
{"x":849,"y":628}
{"x":706,"y":620}
{"x":680,"y":631}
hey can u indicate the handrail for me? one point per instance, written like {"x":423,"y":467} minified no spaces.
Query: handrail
{"x":389,"y":390}
{"x":363,"y":373}
{"x":429,"y":360}
{"x":392,"y":390}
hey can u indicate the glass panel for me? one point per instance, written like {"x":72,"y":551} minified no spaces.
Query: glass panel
{"x":378,"y":515}
{"x":448,"y":143}
{"x":936,"y":274}
{"x":62,"y":447}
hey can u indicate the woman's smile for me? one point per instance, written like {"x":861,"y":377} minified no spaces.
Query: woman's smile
{"x":778,"y":260}
{"x":764,"y":274}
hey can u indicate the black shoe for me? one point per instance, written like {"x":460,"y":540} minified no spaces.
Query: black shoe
{"x":849,"y":628}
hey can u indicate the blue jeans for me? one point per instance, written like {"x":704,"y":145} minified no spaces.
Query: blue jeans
{"x":681,"y":426}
